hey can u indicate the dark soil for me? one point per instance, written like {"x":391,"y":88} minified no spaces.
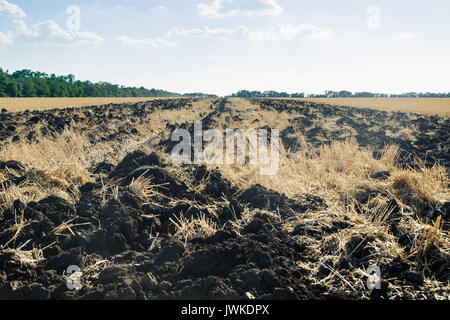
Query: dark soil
{"x":430,"y":134}
{"x":125,"y":246}
{"x":223,"y":266}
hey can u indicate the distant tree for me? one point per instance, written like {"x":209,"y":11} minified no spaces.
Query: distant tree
{"x":364,"y":95}
{"x":42,"y":89}
{"x":5,"y":78}
{"x":22,"y":74}
{"x":29,"y":83}
{"x":13,"y":89}
{"x":297,"y":95}
{"x":28,"y":87}
{"x":199,"y":95}
{"x":345,"y":94}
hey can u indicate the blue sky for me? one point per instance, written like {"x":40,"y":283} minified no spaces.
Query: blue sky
{"x":221,"y":46}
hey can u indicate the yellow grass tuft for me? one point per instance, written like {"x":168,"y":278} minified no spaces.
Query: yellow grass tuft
{"x":187,"y":229}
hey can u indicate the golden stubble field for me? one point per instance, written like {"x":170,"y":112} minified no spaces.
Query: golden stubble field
{"x":21,"y":104}
{"x":430,"y":106}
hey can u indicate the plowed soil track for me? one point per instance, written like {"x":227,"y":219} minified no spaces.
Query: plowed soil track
{"x":128,"y":247}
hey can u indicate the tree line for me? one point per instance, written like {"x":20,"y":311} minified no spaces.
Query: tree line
{"x":199,"y":95}
{"x":266,"y":94}
{"x":27,"y":83}
{"x":336,"y":94}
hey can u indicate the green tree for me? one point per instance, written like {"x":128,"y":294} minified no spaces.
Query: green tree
{"x":28,"y":87}
{"x":42,"y":89}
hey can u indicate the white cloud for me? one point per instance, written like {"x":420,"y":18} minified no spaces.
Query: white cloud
{"x":6,"y":38}
{"x":159,"y":9}
{"x":11,"y":9}
{"x":204,"y":32}
{"x":213,"y":57}
{"x":281,"y":32}
{"x":151,"y":43}
{"x":24,"y":30}
{"x":49,"y":32}
{"x":288,"y":32}
{"x":223,"y":8}
{"x":406,"y":36}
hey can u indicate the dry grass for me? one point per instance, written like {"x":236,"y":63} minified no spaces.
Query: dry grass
{"x":339,"y":173}
{"x":59,"y":165}
{"x":21,"y":104}
{"x":431,"y":106}
{"x":199,"y":227}
{"x":56,"y":166}
{"x":26,"y":257}
{"x":440,"y":106}
{"x":159,"y":119}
